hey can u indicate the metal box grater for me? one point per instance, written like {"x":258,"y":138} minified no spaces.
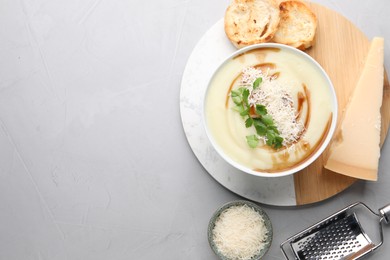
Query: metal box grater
{"x":339,"y":236}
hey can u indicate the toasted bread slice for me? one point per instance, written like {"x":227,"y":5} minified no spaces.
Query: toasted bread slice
{"x":297,"y":26}
{"x":251,"y":21}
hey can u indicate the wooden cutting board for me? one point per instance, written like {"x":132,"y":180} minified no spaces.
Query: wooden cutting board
{"x":341,"y":49}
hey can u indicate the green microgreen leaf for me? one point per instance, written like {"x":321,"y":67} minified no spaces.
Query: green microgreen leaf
{"x":270,"y":138}
{"x":257,"y":83}
{"x":273,"y":128}
{"x":278,"y":142}
{"x":261,"y":129}
{"x":235,"y":93}
{"x":267,"y":120}
{"x":252,"y":141}
{"x":245,"y":96}
{"x":245,"y":112}
{"x":241,"y":90}
{"x":239,"y":108}
{"x":260,"y":110}
{"x":237,"y":100}
{"x":248,"y":122}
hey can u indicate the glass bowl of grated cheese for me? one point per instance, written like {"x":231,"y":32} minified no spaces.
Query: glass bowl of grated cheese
{"x":240,"y":230}
{"x":270,"y":110}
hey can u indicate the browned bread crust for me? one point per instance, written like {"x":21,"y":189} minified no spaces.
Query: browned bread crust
{"x":249,"y":22}
{"x":297,"y":26}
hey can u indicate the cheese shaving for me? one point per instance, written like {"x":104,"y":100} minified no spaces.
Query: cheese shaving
{"x":240,"y":233}
{"x":278,"y":101}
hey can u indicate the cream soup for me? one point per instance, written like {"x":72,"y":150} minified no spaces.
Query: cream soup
{"x":311,"y":101}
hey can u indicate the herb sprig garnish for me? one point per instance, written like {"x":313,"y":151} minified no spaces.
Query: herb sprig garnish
{"x":262,"y":122}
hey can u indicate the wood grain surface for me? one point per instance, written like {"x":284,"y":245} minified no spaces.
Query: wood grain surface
{"x":341,"y":49}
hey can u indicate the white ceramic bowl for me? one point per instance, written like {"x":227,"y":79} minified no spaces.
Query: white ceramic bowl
{"x":315,"y":66}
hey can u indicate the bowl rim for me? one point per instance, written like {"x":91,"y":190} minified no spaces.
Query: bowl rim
{"x":239,"y":202}
{"x":311,"y":158}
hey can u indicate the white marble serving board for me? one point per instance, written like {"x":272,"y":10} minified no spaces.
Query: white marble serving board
{"x":209,"y":52}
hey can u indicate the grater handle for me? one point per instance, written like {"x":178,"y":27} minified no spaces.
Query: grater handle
{"x":385,"y":213}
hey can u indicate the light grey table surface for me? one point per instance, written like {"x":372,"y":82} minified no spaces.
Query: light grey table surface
{"x":94,"y":162}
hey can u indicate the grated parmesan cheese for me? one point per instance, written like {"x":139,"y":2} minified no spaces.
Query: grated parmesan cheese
{"x":240,"y":233}
{"x":278,"y":101}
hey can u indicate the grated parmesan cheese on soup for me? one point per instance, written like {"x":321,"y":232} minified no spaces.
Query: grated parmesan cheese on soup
{"x":239,"y":233}
{"x":278,"y":101}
